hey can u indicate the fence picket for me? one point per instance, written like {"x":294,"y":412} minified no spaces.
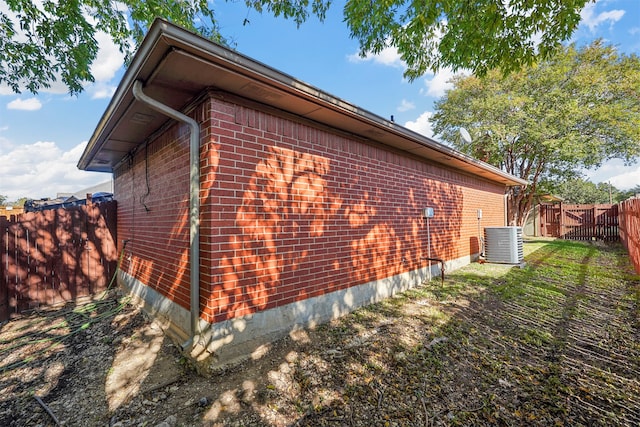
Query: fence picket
{"x":630,"y":229}
{"x":50,"y":257}
{"x":580,"y":222}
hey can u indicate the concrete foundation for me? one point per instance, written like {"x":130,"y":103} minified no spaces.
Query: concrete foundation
{"x":232,"y":341}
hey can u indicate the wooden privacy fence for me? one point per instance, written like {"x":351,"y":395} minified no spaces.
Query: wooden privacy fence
{"x":56,"y":256}
{"x":580,"y":222}
{"x":630,"y":229}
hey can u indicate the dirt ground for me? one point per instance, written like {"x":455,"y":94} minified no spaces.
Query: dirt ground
{"x":554,"y":343}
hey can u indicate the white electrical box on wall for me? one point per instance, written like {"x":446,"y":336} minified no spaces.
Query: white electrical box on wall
{"x":479,"y":213}
{"x":427,"y":213}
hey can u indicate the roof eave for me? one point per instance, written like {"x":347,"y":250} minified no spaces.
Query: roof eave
{"x":163,"y":37}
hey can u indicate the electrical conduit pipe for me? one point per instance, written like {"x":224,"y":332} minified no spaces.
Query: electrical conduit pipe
{"x":194,"y":203}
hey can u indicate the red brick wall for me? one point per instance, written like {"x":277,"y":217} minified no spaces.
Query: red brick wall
{"x":154,"y":218}
{"x":290,"y":210}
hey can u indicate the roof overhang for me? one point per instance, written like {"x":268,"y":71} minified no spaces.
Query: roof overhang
{"x":176,"y":66}
{"x":549,"y":198}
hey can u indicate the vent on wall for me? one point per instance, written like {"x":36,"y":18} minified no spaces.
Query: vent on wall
{"x":503,"y":245}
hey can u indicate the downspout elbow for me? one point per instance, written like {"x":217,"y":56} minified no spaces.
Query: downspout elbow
{"x":194,"y":202}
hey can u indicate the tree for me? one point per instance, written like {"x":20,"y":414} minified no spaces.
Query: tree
{"x":634,"y":192}
{"x":581,"y":191}
{"x":478,"y":36}
{"x":548,"y":121}
{"x":43,"y":41}
{"x":4,"y":201}
{"x":19,"y":202}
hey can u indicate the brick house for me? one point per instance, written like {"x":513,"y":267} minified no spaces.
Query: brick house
{"x":271,"y":203}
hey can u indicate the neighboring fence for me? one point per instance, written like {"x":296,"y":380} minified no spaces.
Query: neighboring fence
{"x":580,"y":222}
{"x":56,"y":256}
{"x":11,"y":210}
{"x":630,"y":229}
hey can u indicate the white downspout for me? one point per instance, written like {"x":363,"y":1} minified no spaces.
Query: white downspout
{"x":194,"y":202}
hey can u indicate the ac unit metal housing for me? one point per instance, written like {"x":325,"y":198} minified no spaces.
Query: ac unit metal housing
{"x":503,"y":245}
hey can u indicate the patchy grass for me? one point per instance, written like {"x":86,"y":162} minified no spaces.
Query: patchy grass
{"x":553,"y":343}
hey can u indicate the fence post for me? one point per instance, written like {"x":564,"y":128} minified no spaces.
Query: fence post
{"x":4,"y":270}
{"x":561,"y":225}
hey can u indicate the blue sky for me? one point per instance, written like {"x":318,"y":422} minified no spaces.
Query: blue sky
{"x":43,"y":136}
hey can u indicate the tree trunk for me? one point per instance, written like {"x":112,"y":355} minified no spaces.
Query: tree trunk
{"x":518,"y":203}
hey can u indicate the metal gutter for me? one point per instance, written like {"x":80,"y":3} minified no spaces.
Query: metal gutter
{"x":194,"y":202}
{"x":210,"y":52}
{"x":131,"y":74}
{"x":164,"y":35}
{"x":249,"y":68}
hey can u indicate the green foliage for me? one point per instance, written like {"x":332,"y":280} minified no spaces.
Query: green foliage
{"x":5,"y":201}
{"x":546,"y":122}
{"x":580,"y":191}
{"x":477,"y":36}
{"x":19,"y":202}
{"x":42,"y":42}
{"x":298,"y":10}
{"x":630,"y":193}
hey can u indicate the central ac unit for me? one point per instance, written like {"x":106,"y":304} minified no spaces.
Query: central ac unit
{"x":503,"y":245}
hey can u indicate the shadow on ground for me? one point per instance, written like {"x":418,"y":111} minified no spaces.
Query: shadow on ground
{"x":554,"y":343}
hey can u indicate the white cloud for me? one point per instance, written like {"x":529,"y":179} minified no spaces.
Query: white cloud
{"x":108,"y":61}
{"x":422,"y":125}
{"x":29,"y":104}
{"x":104,"y":68}
{"x":406,"y":106}
{"x":593,"y":20}
{"x":437,"y":85}
{"x":614,"y":171}
{"x":102,"y":91}
{"x":388,"y":56}
{"x":626,"y":180}
{"x":6,"y":90}
{"x":43,"y":169}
